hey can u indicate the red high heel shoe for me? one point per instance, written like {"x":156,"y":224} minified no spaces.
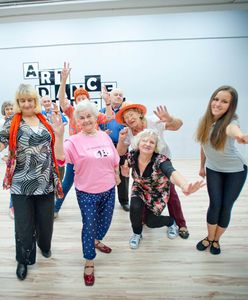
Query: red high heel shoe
{"x":103,"y":248}
{"x":89,"y":279}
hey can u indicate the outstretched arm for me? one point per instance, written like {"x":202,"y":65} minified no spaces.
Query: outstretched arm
{"x":171,"y":123}
{"x":121,"y":146}
{"x":106,"y":97}
{"x":234,"y":131}
{"x":187,"y":188}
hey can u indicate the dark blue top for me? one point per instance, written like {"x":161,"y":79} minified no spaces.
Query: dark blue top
{"x":113,"y":126}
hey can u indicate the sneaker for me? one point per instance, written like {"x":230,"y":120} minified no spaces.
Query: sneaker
{"x":12,"y":213}
{"x":56,"y":214}
{"x":172,"y":231}
{"x":134,"y":241}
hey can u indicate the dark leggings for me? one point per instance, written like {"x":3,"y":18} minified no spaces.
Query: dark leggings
{"x":223,"y":190}
{"x":139,"y":213}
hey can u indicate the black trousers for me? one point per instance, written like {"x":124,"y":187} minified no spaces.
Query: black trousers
{"x":123,"y":187}
{"x":139,"y":213}
{"x":34,"y":217}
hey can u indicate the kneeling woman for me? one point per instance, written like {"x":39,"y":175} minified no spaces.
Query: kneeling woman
{"x":95,"y":161}
{"x":152,"y":174}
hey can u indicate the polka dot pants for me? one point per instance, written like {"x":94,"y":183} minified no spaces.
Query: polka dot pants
{"x":97,"y":212}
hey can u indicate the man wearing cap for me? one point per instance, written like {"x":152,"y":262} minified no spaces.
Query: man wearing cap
{"x":133,"y":116}
{"x":114,"y":128}
{"x":80,"y":94}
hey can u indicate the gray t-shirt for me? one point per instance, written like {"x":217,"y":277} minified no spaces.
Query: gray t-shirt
{"x":229,"y":160}
{"x":157,"y":126}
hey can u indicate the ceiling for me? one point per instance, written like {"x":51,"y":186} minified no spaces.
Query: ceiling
{"x":55,"y":9}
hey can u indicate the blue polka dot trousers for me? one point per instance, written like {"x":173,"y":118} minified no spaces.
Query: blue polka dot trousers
{"x":97,"y":211}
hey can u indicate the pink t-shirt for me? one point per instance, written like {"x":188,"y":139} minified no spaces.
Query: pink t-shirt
{"x":95,"y":159}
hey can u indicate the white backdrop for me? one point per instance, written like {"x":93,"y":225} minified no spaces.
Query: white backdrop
{"x":172,"y":59}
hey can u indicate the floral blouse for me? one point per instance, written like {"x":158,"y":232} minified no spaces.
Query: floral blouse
{"x":152,"y":188}
{"x":34,"y":172}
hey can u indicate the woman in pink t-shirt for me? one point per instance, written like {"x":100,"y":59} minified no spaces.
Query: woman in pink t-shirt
{"x":96,"y":163}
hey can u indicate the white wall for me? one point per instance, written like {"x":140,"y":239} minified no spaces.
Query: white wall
{"x":174,"y":59}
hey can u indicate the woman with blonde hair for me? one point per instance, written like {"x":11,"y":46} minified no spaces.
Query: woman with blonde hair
{"x":152,"y":175}
{"x":222,"y":164}
{"x":31,"y":175}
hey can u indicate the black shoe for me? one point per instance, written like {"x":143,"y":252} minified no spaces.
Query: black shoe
{"x":201,"y":247}
{"x":21,"y":271}
{"x":125,"y":207}
{"x":215,"y":250}
{"x":46,"y":254}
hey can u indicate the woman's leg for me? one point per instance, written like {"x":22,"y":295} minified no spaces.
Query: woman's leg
{"x":66,"y":186}
{"x":136,"y":214}
{"x":24,"y":229}
{"x":154,"y":221}
{"x":44,"y":207}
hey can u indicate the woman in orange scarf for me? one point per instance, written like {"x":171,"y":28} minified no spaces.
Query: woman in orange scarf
{"x":31,"y":175}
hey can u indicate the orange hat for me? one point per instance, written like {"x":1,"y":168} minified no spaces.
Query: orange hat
{"x":81,"y":92}
{"x":126,"y":106}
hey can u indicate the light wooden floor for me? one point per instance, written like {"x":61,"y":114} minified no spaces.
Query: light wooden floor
{"x":159,"y":269}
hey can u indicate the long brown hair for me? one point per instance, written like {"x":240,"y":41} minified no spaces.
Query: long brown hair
{"x":218,"y":135}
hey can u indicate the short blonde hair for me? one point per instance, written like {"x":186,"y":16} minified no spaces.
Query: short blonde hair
{"x":27,"y":90}
{"x":85,"y":105}
{"x":150,"y":133}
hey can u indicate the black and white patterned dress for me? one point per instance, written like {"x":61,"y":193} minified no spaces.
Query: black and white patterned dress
{"x":34,"y":172}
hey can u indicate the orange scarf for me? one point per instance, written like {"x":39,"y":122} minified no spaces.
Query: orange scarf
{"x":15,"y":123}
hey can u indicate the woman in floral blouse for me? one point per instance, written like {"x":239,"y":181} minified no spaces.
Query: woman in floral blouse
{"x":31,"y":175}
{"x":152,"y":174}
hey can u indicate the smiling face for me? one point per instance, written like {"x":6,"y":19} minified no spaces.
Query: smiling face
{"x":132,"y":118}
{"x":147,"y":144}
{"x":220,"y":104}
{"x":8,"y":111}
{"x":87,"y":121}
{"x":47,"y":103}
{"x":27,"y":105}
{"x":116,"y":97}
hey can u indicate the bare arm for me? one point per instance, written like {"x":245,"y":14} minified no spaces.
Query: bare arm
{"x":202,"y":171}
{"x":187,"y":188}
{"x":64,"y":75}
{"x":121,"y":146}
{"x":106,"y":97}
{"x":171,"y":123}
{"x":58,"y":128}
{"x":1,"y":147}
{"x":234,"y":131}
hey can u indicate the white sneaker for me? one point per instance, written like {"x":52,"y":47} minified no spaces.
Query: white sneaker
{"x":172,"y":231}
{"x":135,"y":240}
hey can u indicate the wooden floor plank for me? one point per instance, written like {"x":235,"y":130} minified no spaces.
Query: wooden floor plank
{"x":159,"y":269}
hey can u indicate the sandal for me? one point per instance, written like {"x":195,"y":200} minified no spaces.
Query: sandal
{"x":201,"y":247}
{"x":103,"y":248}
{"x":215,"y":250}
{"x":183,"y":232}
{"x":89,"y":279}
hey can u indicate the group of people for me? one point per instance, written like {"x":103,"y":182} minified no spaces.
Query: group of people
{"x":98,"y":154}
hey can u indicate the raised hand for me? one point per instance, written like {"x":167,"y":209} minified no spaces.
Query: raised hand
{"x":105,"y":95}
{"x":243,"y":139}
{"x":162,"y":113}
{"x":57,"y":125}
{"x":190,"y":188}
{"x":123,"y":134}
{"x":65,"y":72}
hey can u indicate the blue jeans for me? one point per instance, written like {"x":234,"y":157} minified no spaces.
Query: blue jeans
{"x":66,"y":185}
